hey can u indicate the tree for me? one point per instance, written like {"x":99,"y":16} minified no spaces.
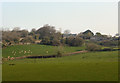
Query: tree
{"x":67,"y":32}
{"x":55,"y":42}
{"x":98,"y":34}
{"x":46,"y":41}
{"x":33,"y":32}
{"x":58,"y":35}
{"x":46,"y":30}
{"x":36,"y":36}
{"x":74,"y":41}
{"x":63,"y":41}
{"x":69,"y":40}
{"x":49,"y":35}
{"x":10,"y":36}
{"x":24,"y":33}
{"x":16,"y":29}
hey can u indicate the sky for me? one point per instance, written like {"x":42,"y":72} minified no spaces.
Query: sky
{"x":75,"y":16}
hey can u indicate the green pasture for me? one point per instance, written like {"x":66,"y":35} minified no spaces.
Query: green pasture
{"x":23,"y":50}
{"x":91,"y":66}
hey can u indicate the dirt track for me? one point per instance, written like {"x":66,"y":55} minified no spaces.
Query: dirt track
{"x":77,"y":52}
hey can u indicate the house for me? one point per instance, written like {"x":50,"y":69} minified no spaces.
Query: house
{"x":68,"y":35}
{"x":117,"y":35}
{"x":21,"y":39}
{"x":38,"y":41}
{"x":97,"y":38}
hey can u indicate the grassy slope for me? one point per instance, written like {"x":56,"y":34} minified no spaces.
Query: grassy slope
{"x":36,"y":50}
{"x":97,"y":66}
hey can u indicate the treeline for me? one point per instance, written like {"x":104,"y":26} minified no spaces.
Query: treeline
{"x":48,"y":35}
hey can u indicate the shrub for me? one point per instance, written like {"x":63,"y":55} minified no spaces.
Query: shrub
{"x":59,"y":54}
{"x":110,"y":49}
{"x":93,"y":47}
{"x":59,"y":51}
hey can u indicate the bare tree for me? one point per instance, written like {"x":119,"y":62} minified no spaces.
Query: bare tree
{"x":67,"y":31}
{"x":16,"y":29}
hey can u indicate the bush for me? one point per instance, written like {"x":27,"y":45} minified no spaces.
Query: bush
{"x":59,"y":50}
{"x":107,"y":49}
{"x":110,"y":49}
{"x":59,"y":54}
{"x":93,"y":47}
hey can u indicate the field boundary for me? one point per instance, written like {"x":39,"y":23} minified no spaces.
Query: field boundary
{"x":39,"y":56}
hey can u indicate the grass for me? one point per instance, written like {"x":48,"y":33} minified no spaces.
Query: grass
{"x":91,"y":66}
{"x":36,"y":50}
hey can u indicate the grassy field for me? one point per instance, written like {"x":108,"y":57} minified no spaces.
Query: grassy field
{"x":93,"y":66}
{"x":19,"y":50}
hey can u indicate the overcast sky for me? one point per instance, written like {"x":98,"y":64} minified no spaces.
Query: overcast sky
{"x":75,"y":16}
